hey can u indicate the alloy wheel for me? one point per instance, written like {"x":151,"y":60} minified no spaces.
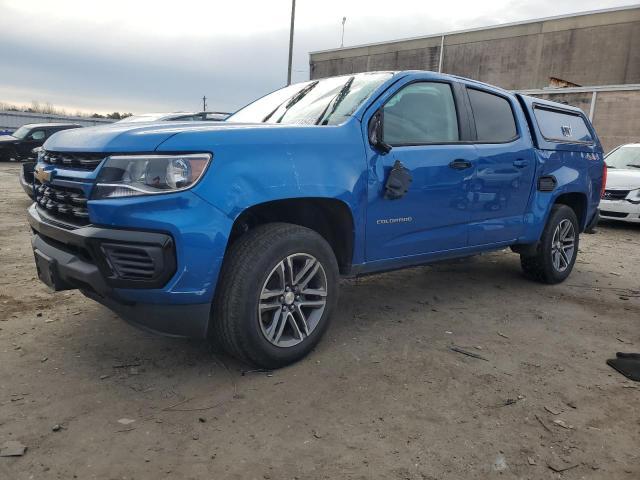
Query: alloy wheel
{"x":563,"y":245}
{"x":292,"y":300}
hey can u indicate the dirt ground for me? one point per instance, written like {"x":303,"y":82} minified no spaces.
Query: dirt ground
{"x":383,"y":396}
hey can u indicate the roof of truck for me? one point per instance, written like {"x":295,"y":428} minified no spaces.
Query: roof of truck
{"x":52,"y":124}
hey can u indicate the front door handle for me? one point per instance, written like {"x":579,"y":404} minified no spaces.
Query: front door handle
{"x":520,"y":163}
{"x":460,"y":164}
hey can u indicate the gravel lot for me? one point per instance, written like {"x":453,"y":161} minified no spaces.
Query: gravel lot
{"x":383,"y":396}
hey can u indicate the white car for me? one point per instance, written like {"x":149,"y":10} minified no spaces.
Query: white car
{"x":621,"y":200}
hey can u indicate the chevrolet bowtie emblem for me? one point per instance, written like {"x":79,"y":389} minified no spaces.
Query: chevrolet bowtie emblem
{"x":42,"y":175}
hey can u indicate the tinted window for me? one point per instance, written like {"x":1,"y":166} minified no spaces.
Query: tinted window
{"x":562,"y":126}
{"x":493,"y":117}
{"x":421,"y":113}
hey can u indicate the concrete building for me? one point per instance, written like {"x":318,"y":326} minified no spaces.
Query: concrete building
{"x":591,"y":60}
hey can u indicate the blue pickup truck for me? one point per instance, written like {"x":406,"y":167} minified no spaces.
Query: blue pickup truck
{"x":239,"y":231}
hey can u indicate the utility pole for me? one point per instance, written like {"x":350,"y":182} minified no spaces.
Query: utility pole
{"x":293,"y":19}
{"x":204,"y":104}
{"x":344,"y":20}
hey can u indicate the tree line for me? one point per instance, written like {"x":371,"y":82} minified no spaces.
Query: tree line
{"x":48,"y":108}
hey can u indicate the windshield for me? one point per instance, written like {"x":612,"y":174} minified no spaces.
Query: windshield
{"x":624,"y":158}
{"x":21,"y":132}
{"x":320,"y":102}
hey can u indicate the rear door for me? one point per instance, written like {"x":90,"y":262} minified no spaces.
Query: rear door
{"x":505,"y":168}
{"x":425,"y":123}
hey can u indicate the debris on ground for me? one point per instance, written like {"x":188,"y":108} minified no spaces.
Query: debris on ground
{"x":559,"y":469}
{"x":502,"y":335}
{"x":563,"y":424}
{"x":467,"y":353}
{"x":543,"y":424}
{"x":500,"y":464}
{"x":628,"y":364}
{"x":125,"y":421}
{"x":127,"y":365}
{"x":552,"y":411}
{"x":12,"y":448}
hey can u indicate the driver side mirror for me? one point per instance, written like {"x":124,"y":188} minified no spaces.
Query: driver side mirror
{"x":376,"y":133}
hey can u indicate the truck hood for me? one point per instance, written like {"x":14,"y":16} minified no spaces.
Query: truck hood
{"x":618,"y":179}
{"x":7,"y":139}
{"x":139,"y":137}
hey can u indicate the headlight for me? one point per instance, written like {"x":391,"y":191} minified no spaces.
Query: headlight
{"x":131,"y":175}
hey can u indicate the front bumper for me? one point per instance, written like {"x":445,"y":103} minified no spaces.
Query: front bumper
{"x":26,"y":178}
{"x":103,"y":261}
{"x":620,"y":210}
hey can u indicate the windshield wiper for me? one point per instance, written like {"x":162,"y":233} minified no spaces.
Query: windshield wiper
{"x":337,"y":100}
{"x":634,"y":165}
{"x":291,"y":102}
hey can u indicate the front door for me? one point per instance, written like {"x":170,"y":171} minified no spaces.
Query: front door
{"x":34,"y":139}
{"x":422,"y":125}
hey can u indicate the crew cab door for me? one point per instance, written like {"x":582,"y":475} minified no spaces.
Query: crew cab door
{"x":425,"y":125}
{"x":505,"y":168}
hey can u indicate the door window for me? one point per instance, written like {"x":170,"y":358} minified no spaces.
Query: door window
{"x":562,"y":126}
{"x":493,"y":117}
{"x":421,"y":113}
{"x":37,"y":135}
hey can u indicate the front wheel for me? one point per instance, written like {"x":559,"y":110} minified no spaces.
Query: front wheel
{"x":556,"y":253}
{"x":277,"y":290}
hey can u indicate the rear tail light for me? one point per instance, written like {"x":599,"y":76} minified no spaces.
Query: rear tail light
{"x":604,"y":180}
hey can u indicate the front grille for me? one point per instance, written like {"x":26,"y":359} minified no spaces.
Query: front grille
{"x":75,"y":161}
{"x":615,"y":194}
{"x":130,"y":263}
{"x":606,"y":213}
{"x":66,"y":204}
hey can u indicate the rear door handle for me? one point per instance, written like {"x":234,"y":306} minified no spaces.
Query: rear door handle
{"x":460,"y":164}
{"x":520,"y":163}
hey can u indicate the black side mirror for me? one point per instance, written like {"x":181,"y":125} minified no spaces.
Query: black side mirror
{"x":376,"y":133}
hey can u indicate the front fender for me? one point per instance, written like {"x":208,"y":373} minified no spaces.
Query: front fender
{"x":255,"y":166}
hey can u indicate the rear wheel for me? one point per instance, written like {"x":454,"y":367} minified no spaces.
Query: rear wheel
{"x":556,"y":252}
{"x":277,"y":290}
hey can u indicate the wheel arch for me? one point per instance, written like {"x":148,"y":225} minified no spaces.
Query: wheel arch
{"x":578,"y":202}
{"x":329,"y":217}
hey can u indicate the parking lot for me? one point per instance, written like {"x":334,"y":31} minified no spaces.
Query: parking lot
{"x":383,"y":396}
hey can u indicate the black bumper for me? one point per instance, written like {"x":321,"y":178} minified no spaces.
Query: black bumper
{"x":98,"y":261}
{"x":26,"y":178}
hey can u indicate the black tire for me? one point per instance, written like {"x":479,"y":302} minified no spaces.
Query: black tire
{"x":235,"y":323}
{"x":540,"y":266}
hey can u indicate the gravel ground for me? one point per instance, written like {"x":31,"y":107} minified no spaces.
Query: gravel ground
{"x":383,"y":396}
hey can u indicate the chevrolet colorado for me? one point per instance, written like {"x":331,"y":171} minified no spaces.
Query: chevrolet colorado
{"x":239,"y":231}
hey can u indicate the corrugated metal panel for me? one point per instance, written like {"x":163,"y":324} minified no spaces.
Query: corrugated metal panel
{"x":11,"y":120}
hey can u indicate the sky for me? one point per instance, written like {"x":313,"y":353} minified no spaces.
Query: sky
{"x":158,"y":56}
